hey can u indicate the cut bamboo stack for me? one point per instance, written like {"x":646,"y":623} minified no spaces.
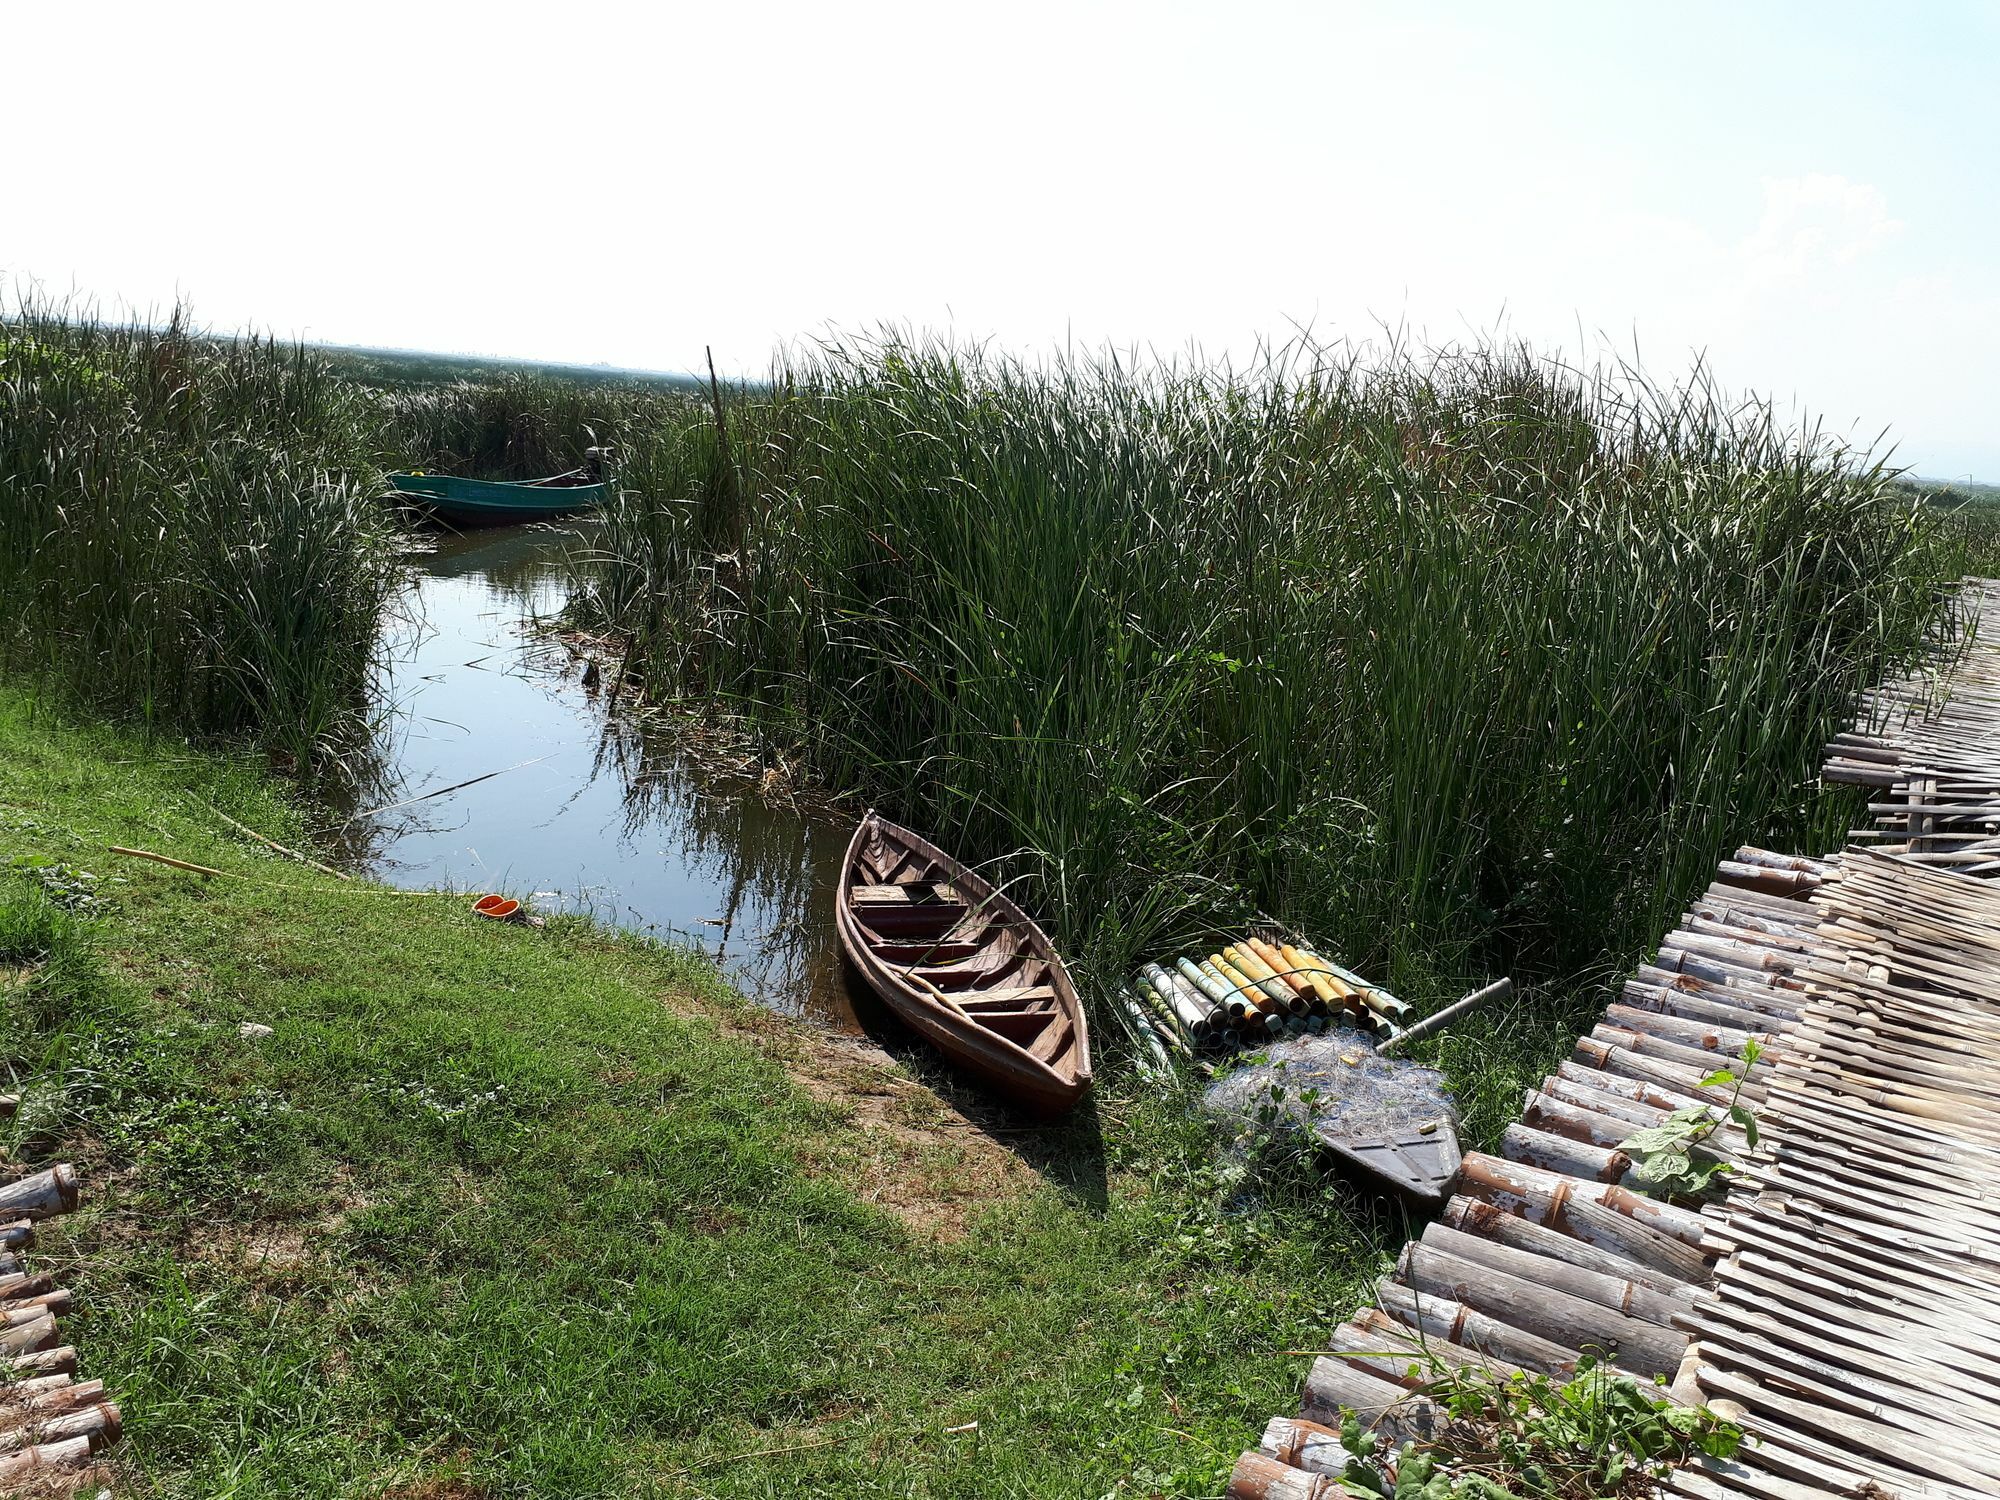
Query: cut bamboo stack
{"x":50,"y":1422}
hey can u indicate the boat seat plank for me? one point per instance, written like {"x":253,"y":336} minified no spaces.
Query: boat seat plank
{"x":1007,"y":996}
{"x":925,"y":953}
{"x":911,"y":893}
{"x":909,"y":924}
{"x":962,"y":978}
{"x":1015,"y":1025}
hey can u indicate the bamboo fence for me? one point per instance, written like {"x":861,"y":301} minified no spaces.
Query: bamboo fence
{"x":1840,"y":1301}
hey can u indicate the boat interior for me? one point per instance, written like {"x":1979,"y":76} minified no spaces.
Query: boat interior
{"x":967,"y":954}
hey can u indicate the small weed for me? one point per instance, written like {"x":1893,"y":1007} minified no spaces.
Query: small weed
{"x":455,"y":1104}
{"x":149,"y":1095}
{"x":1670,"y":1159}
{"x":71,"y":888}
{"x":1598,"y":1435}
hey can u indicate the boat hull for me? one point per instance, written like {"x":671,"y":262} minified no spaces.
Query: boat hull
{"x":965,"y":997}
{"x":484,"y":502}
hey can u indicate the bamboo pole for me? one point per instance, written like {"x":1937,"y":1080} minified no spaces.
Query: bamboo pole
{"x":166,"y":859}
{"x":1544,"y":1311}
{"x":271,"y":843}
{"x":1498,"y":989}
{"x":41,"y":1194}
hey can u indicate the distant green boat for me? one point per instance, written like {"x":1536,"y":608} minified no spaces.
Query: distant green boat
{"x":487,"y":502}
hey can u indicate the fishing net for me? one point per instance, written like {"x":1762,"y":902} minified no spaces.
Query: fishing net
{"x":1335,"y":1083}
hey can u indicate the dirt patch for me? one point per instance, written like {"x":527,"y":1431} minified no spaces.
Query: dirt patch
{"x":911,"y":1150}
{"x":442,"y":1488}
{"x":276,"y":1249}
{"x":96,"y":1480}
{"x":277,"y":1252}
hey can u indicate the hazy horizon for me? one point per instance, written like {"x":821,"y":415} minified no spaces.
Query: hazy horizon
{"x":1793,"y":193}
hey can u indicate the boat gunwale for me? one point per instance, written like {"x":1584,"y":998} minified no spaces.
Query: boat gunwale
{"x":429,"y":485}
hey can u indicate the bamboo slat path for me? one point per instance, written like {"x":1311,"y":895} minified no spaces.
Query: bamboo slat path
{"x":1845,"y":1294}
{"x":1927,"y":755}
{"x":1855,"y":1305}
{"x":1546,"y":1252}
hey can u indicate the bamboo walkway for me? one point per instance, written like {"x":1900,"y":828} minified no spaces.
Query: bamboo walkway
{"x":1843,"y":1300}
{"x":1855,"y":1312}
{"x":1929,"y":749}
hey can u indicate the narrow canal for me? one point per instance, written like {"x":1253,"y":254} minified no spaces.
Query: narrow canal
{"x":587,"y":812}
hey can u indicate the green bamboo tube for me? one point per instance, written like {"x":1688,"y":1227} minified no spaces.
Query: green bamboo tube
{"x":1211,"y":985}
{"x":1231,"y":997}
{"x":1174,"y":1030}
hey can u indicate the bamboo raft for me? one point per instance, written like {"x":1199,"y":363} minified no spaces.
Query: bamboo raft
{"x":51,"y":1423}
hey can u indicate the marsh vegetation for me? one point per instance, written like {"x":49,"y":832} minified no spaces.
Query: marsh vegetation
{"x":1463,"y":662}
{"x":1460,"y":661}
{"x":190,"y":534}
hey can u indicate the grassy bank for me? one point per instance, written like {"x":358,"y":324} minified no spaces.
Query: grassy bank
{"x":1462,"y":662}
{"x":515,"y":1213}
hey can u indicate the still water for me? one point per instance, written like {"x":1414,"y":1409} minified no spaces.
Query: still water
{"x":588,"y":813}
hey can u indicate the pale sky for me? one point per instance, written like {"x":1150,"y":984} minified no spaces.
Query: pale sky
{"x":1804,"y":192}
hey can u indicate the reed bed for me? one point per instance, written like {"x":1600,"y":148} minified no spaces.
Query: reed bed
{"x":518,"y":425}
{"x":190,"y":532}
{"x":1457,"y":659}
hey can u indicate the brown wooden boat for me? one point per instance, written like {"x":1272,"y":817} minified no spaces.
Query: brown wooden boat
{"x":963,"y":965}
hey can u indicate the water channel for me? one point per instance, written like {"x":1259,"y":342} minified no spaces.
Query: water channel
{"x":589,"y":812}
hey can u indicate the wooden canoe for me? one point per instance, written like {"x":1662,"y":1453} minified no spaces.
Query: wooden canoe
{"x":486,"y":502}
{"x":963,"y":965}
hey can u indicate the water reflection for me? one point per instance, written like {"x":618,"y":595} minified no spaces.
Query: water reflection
{"x":557,"y":798}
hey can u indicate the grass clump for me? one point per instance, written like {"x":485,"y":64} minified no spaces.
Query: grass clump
{"x":1458,"y":661}
{"x":190,"y":534}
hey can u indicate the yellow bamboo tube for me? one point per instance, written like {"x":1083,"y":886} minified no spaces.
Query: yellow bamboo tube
{"x":1253,"y":997}
{"x":1286,"y":972}
{"x":1264,"y":977}
{"x":1323,"y":982}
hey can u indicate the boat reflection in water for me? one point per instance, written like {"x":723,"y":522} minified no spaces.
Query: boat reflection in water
{"x":586,"y":812}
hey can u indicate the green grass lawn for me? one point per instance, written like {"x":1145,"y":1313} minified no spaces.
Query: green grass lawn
{"x":500,"y":1212}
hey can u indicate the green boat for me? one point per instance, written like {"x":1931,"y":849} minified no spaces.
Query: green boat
{"x":487,"y":502}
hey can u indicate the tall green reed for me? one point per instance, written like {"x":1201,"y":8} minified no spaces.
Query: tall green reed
{"x":519,"y":425}
{"x":1455,"y":659}
{"x":190,"y":529}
